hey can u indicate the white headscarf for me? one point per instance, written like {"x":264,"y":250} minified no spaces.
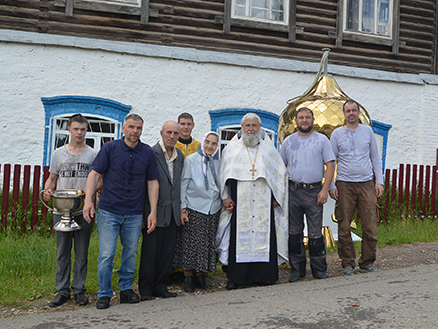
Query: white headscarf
{"x":207,"y":159}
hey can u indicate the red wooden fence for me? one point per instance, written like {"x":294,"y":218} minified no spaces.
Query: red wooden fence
{"x":24,"y":186}
{"x":411,"y":189}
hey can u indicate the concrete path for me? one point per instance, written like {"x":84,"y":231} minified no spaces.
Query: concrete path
{"x":402,"y":298}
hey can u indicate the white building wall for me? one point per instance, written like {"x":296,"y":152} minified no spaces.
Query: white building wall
{"x":159,"y":87}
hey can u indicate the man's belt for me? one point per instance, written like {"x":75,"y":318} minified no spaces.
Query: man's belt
{"x":309,"y":186}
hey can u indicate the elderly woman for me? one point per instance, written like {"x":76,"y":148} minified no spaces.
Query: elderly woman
{"x":200,"y":209}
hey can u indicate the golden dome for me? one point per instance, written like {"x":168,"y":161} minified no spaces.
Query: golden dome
{"x":325,"y":98}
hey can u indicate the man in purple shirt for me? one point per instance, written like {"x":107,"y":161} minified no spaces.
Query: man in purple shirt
{"x":127,"y":166}
{"x":356,"y":149}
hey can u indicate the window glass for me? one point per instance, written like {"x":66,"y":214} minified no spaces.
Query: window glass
{"x":99,"y":132}
{"x":265,"y":10}
{"x":369,"y":16}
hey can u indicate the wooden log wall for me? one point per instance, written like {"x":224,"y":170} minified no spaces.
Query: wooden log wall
{"x":199,"y":24}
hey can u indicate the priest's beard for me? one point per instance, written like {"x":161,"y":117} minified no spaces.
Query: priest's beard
{"x":251,"y":141}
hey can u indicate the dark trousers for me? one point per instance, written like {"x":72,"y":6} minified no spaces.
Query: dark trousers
{"x":305,"y":202}
{"x":360,"y":196}
{"x":157,"y":251}
{"x":64,"y":243}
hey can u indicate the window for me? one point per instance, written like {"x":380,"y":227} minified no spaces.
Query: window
{"x":99,"y":131}
{"x":226,"y":122}
{"x":228,"y":132}
{"x":270,"y":11}
{"x":369,"y":16}
{"x":105,"y":118}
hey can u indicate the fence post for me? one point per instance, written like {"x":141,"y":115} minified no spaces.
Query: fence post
{"x":427,"y":192}
{"x":5,"y":199}
{"x":414,"y":188}
{"x":407,"y":187}
{"x":25,"y":198}
{"x":433,"y":197}
{"x":400,"y":185}
{"x":386,"y":194}
{"x":35,"y":197}
{"x":15,"y":195}
{"x":420,"y":190}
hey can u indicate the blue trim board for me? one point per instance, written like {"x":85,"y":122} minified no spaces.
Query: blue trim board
{"x":233,"y":116}
{"x":382,"y":129}
{"x":59,"y":105}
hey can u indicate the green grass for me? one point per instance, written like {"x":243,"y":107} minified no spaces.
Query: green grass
{"x":28,"y":261}
{"x":28,"y":266}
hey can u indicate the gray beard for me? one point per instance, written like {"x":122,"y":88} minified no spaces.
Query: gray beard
{"x":251,"y":141}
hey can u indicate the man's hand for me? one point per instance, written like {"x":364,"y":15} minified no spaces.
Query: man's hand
{"x":47,"y":194}
{"x":152,"y":223}
{"x":322,"y":196}
{"x":184,"y":216}
{"x":229,"y":204}
{"x":88,"y":211}
{"x":379,"y":190}
{"x":334,"y":194}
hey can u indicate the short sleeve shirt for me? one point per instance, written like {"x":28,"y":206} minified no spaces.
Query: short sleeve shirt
{"x":72,"y":169}
{"x":306,"y":156}
{"x":125,"y":172}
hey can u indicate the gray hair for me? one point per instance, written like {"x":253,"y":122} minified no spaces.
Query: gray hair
{"x":134,"y":117}
{"x":179,"y":126}
{"x":251,"y":116}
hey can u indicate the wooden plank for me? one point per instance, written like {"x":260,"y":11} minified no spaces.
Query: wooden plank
{"x":227,"y":17}
{"x":414,"y":188}
{"x":292,"y":31}
{"x":69,"y":8}
{"x":433,"y":193}
{"x":407,"y":187}
{"x":144,"y":12}
{"x":394,"y":187}
{"x":420,"y":190}
{"x":339,"y":24}
{"x":35,"y":197}
{"x":396,"y":27}
{"x":25,"y":198}
{"x":387,"y":193}
{"x":401,"y":171}
{"x":44,"y":210}
{"x":5,"y":197}
{"x":15,"y":196}
{"x":427,"y":192}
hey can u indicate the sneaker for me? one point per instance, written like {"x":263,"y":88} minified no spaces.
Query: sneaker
{"x":348,"y":270}
{"x":368,"y":269}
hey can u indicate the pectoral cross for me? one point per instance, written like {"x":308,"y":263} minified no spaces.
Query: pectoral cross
{"x":253,"y":170}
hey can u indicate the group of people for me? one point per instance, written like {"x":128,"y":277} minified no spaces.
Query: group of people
{"x":245,"y":207}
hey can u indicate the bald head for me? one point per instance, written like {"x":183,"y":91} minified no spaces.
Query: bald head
{"x":170,"y":134}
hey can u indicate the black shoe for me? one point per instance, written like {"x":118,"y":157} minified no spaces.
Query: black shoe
{"x":201,"y":283}
{"x":231,"y":285}
{"x":103,"y":303}
{"x":59,"y":300}
{"x":146,"y":297}
{"x":81,"y":299}
{"x":164,"y":293}
{"x":129,"y":296}
{"x":189,"y":284}
{"x":321,"y":276}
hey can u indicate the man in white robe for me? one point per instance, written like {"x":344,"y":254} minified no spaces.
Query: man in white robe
{"x":253,"y":229}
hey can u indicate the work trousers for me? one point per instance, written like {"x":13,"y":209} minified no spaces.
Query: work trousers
{"x":360,"y":196}
{"x":64,"y":243}
{"x":305,"y":202}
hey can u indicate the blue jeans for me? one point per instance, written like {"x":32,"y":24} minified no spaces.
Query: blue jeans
{"x":108,"y":226}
